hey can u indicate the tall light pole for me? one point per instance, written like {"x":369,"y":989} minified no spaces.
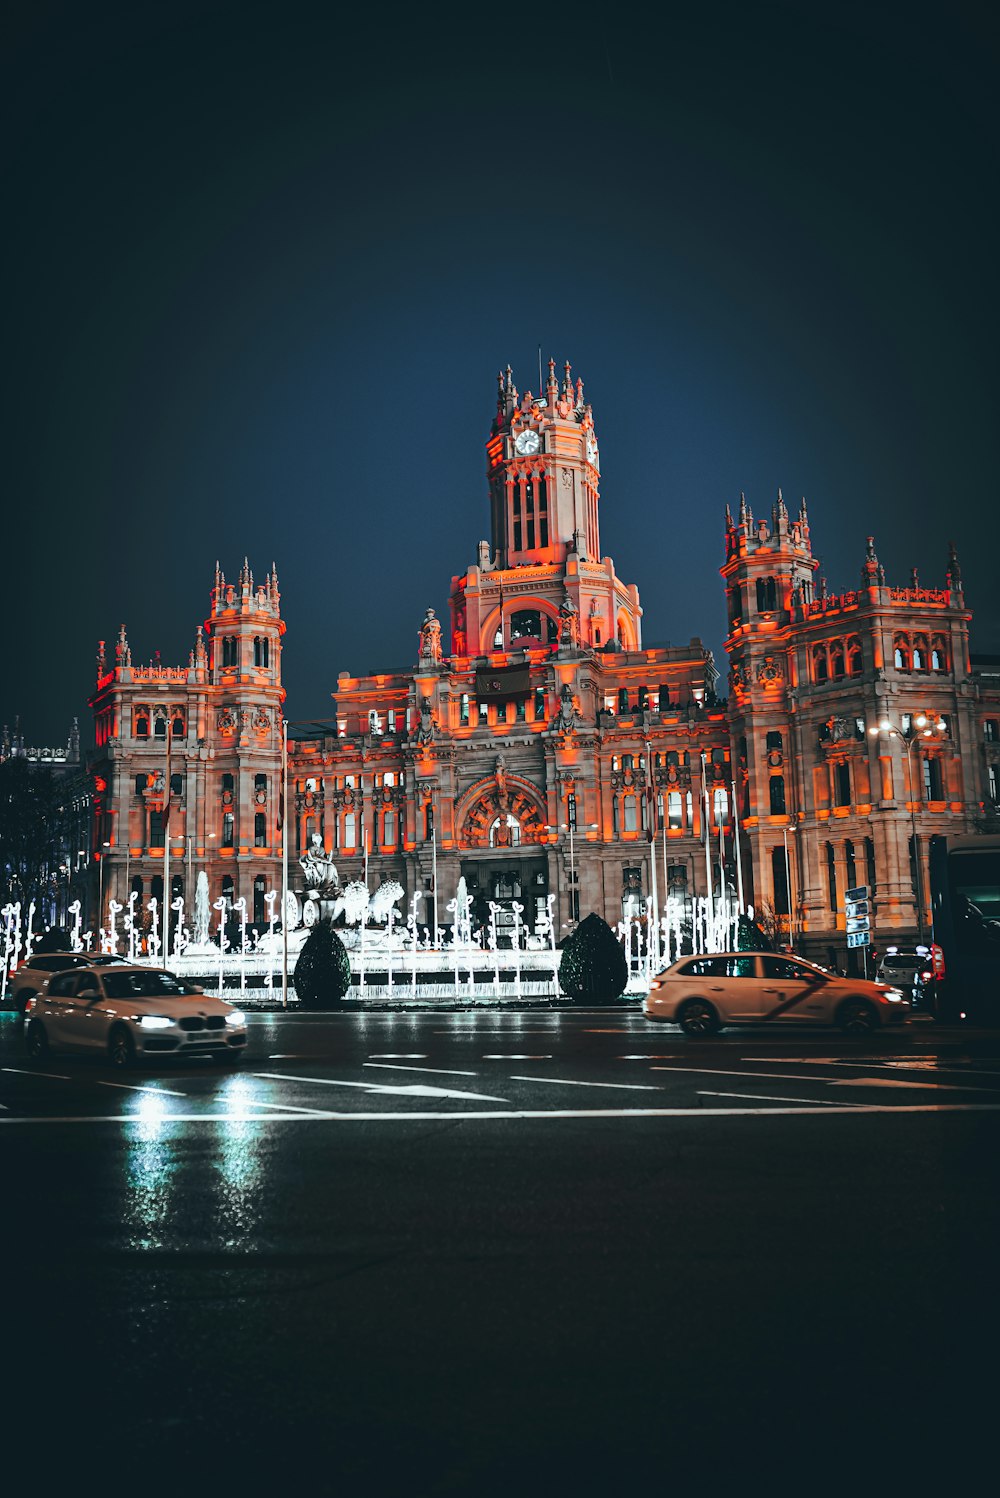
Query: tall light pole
{"x":908,"y":740}
{"x":570,"y":827}
{"x":100,"y":906}
{"x":788,"y":887}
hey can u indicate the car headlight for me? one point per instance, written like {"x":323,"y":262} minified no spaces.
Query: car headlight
{"x":236,"y":1017}
{"x":154,"y":1022}
{"x":894,"y":996}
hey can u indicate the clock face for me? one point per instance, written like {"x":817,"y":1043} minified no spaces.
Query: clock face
{"x":526,"y":442}
{"x":592,"y":451}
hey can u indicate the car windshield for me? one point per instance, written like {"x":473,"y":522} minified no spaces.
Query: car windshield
{"x":151,"y":985}
{"x":901,"y":962}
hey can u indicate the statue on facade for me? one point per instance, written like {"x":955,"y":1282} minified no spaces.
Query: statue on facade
{"x":500,"y":775}
{"x":566,"y":719}
{"x":318,"y":867}
{"x":711,"y":676}
{"x":569,"y":622}
{"x":430,"y":637}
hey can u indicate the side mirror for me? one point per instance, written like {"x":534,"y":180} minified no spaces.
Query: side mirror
{"x":87,"y":993}
{"x":193,"y":988}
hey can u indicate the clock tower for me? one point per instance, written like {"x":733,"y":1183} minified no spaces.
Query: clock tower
{"x":541,"y":581}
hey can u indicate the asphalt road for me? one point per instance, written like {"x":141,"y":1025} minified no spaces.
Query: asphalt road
{"x":498,"y":1253}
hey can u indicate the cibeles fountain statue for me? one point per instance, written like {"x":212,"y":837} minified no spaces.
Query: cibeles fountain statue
{"x":324,"y":896}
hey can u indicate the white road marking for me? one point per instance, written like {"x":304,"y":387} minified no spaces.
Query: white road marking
{"x":19,"y":1071}
{"x":530,"y":1115}
{"x":157,"y":1091}
{"x":440,"y":1071}
{"x":413,"y":1090}
{"x":517,"y":1058}
{"x":398,"y":1056}
{"x":649,"y":1056}
{"x":718,"y":1071}
{"x":763,"y":1097}
{"x":248,"y":1102}
{"x":619,"y":1086}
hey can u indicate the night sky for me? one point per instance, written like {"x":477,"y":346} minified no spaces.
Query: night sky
{"x":261,"y":265}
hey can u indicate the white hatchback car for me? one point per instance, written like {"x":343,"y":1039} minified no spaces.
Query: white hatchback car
{"x":128,"y":1012}
{"x":737,"y":988}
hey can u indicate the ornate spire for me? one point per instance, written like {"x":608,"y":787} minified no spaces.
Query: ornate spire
{"x":102,"y":660}
{"x":803,"y":516}
{"x":123,"y":655}
{"x":200,"y":657}
{"x":745,"y":516}
{"x":567,"y":385}
{"x":871,"y":569}
{"x":579,"y":392}
{"x":914,"y":579}
{"x":953,"y":567}
{"x":781,"y":508}
{"x":729,"y":517}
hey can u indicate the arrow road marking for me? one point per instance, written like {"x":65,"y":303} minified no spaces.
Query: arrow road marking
{"x":441,"y":1071}
{"x":618,"y":1086}
{"x":412,"y":1090}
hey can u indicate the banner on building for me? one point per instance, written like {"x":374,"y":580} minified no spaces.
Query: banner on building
{"x":509,"y":681}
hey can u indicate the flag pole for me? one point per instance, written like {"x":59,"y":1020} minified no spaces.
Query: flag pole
{"x":166,"y":853}
{"x":739,"y":855}
{"x":284,"y":863}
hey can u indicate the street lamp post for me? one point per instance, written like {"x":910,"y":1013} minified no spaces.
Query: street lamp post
{"x":788,"y":887}
{"x":100,"y":903}
{"x":570,"y":827}
{"x":924,"y":731}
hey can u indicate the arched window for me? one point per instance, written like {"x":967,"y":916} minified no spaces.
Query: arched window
{"x":160,"y":728}
{"x":939,"y":655}
{"x":837,"y":660}
{"x":142,"y":725}
{"x":920,"y":659}
{"x":505,"y":833}
{"x":525,"y":624}
{"x":177,"y":726}
{"x":821,"y":668}
{"x":498,"y":636}
{"x":776,"y":787}
{"x":855,"y":662}
{"x":767,"y":595}
{"x":901,"y":653}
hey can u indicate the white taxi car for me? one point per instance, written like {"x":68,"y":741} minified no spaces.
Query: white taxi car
{"x":124,"y":1013}
{"x":737,"y":988}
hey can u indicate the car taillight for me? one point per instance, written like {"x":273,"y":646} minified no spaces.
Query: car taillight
{"x":937,"y":961}
{"x":925,"y":976}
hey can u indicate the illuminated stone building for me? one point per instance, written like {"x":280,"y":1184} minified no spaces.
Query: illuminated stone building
{"x":537,"y":749}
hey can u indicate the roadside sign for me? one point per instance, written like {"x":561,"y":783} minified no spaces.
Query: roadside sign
{"x":856,"y":908}
{"x":861,"y":893}
{"x":861,"y":923}
{"x":859,"y":939}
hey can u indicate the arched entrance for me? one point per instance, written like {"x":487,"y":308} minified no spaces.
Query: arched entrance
{"x":502,"y":837}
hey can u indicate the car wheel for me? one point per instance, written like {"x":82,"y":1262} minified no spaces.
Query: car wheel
{"x":121,"y":1047}
{"x":23,"y":999}
{"x":36,"y":1041}
{"x":857,"y":1017}
{"x":698,"y":1017}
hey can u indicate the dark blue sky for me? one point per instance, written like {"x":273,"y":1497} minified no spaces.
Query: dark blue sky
{"x":262,"y":264}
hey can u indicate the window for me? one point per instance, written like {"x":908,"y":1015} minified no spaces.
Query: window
{"x":663,"y":700}
{"x":505,"y":833}
{"x":261,"y":651}
{"x":176,"y":785}
{"x":484,"y":714}
{"x":227,"y":829}
{"x":901,"y":653}
{"x":991,"y":782}
{"x":156,"y":888}
{"x":991,"y":731}
{"x":228,"y":652}
{"x":842,"y":784}
{"x":821,"y":668}
{"x":630,"y":814}
{"x":913,"y":864}
{"x":141,"y":781}
{"x":628,"y":762}
{"x":779,"y":878}
{"x":177,"y":727}
{"x":837,"y":660}
{"x":719,"y":967}
{"x":389,"y":829}
{"x":831,"y":875}
{"x":525,"y":624}
{"x":522,"y":710}
{"x":350,"y":830}
{"x":776,"y":787}
{"x":673,"y":809}
{"x":767,"y":595}
{"x":623,"y":699}
{"x":775,"y":742}
{"x":933,"y":782}
{"x":918,"y":658}
{"x":259,"y":911}
{"x":539,"y":704}
{"x":228,"y":891}
{"x":142,"y":726}
{"x":160,"y":728}
{"x":389,"y":778}
{"x":156,"y":837}
{"x":429,"y":822}
{"x":642,"y":700}
{"x":939,"y":656}
{"x":859,"y":728}
{"x":260,"y":786}
{"x":720,"y":806}
{"x":855,"y":659}
{"x":259,"y":830}
{"x":463,"y":709}
{"x":228,"y":783}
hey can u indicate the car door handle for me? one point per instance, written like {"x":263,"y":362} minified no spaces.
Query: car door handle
{"x":717,"y":990}
{"x":770,"y":990}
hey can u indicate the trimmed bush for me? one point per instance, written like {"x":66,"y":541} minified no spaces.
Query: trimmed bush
{"x":322,"y":974}
{"x":593,"y":969}
{"x":750,"y":937}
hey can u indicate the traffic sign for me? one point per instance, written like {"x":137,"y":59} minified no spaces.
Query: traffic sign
{"x":861,"y":923}
{"x":861,"y":893}
{"x":859,"y":939}
{"x":855,"y":908}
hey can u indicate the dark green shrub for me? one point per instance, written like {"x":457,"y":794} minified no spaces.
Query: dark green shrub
{"x":322,"y":974}
{"x":750,"y":937}
{"x":593,"y":969}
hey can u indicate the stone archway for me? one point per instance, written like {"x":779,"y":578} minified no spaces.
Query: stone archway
{"x":489,"y":808}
